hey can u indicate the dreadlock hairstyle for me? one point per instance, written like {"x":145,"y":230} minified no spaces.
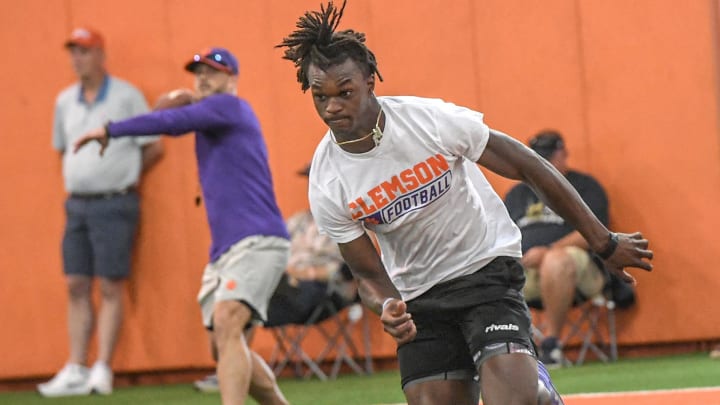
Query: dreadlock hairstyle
{"x":316,"y":42}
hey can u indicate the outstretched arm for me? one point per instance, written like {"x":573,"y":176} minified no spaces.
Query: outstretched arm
{"x":376,"y":290}
{"x":510,"y":158}
{"x":99,"y":135}
{"x":206,"y":115}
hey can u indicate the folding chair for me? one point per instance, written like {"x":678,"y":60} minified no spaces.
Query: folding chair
{"x":594,"y":313}
{"x":592,"y":321}
{"x":333,"y":319}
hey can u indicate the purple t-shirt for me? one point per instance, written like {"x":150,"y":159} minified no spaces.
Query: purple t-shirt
{"x":232,"y":162}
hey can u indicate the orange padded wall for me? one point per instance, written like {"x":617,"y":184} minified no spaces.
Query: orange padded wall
{"x":632,"y":85}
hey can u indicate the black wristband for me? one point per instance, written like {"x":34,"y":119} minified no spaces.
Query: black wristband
{"x":610,"y":248}
{"x":107,"y":130}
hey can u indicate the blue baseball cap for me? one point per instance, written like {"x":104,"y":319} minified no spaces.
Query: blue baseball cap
{"x":217,"y":58}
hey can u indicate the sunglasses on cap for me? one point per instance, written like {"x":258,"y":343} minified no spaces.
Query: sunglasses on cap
{"x":216,"y":60}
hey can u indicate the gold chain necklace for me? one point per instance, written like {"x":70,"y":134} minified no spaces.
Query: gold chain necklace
{"x":376,"y":133}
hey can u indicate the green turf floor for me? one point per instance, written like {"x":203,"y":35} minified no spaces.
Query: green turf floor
{"x":694,"y":370}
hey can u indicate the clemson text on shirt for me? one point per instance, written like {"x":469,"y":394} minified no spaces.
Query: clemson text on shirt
{"x":404,"y":192}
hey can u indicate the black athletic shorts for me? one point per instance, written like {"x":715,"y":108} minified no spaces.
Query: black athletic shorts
{"x":463,"y":322}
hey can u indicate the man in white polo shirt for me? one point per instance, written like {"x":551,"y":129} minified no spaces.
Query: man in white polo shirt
{"x":102,"y":210}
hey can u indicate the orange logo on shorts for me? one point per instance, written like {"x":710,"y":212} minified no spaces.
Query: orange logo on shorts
{"x":231,"y":285}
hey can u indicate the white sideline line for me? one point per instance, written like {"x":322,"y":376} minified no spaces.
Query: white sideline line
{"x":627,"y":393}
{"x":643,"y":392}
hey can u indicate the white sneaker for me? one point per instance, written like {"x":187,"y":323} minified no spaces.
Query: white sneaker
{"x":71,"y":380}
{"x":207,"y":384}
{"x":101,"y":379}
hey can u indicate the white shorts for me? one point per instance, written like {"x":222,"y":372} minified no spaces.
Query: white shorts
{"x":248,"y":272}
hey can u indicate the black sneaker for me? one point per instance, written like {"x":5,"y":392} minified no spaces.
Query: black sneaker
{"x":551,"y":353}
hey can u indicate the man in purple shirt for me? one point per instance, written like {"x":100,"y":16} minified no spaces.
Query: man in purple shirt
{"x":250,"y":243}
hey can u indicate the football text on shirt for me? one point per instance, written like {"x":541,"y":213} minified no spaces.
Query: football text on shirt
{"x":404,"y":192}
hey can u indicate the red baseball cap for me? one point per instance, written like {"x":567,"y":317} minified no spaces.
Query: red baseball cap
{"x":85,"y":37}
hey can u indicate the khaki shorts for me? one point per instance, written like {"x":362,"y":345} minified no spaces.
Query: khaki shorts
{"x":248,"y":272}
{"x":590,"y":278}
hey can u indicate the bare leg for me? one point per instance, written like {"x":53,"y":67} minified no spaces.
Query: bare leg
{"x":558,"y":278}
{"x":456,"y":392}
{"x":234,"y":360}
{"x":263,"y":385}
{"x":509,"y":379}
{"x":109,"y":318}
{"x":80,"y":317}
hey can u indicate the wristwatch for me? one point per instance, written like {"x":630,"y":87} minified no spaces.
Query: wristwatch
{"x":610,"y":248}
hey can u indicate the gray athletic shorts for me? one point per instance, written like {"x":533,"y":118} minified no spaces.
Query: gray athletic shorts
{"x":248,"y":272}
{"x":99,"y":235}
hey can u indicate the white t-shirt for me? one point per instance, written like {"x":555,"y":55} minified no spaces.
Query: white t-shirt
{"x":434,"y":213}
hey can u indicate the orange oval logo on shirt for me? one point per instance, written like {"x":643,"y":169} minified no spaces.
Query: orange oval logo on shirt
{"x":231,"y":284}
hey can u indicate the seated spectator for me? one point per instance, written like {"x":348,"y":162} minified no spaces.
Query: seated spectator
{"x":560,"y":268}
{"x":314,"y":257}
